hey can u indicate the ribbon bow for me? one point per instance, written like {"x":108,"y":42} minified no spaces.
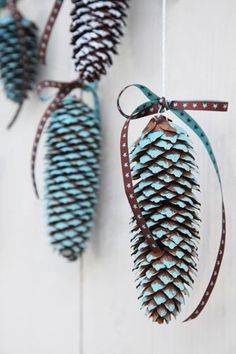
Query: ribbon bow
{"x":64,"y":88}
{"x":156,"y":104}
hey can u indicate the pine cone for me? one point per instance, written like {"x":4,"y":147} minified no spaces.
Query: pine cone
{"x":3,"y":3}
{"x":164,"y":165}
{"x":72,"y":176}
{"x":18,"y":62}
{"x":97,"y":27}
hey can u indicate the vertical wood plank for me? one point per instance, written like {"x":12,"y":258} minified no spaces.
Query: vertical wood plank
{"x":39,"y":291}
{"x":201,"y":64}
{"x":113,"y":322}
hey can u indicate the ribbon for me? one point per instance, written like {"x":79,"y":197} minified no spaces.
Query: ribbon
{"x":48,"y":30}
{"x":64,"y":88}
{"x":156,"y":104}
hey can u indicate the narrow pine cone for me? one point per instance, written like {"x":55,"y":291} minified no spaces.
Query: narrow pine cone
{"x":3,"y":3}
{"x":97,"y":27}
{"x":18,"y":61}
{"x":163,"y":167}
{"x":72,"y":176}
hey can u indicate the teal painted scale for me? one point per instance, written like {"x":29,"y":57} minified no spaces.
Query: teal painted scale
{"x":18,"y":74}
{"x":72,"y":176}
{"x":164,"y":169}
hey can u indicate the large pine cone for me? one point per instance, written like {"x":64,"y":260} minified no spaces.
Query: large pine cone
{"x":164,"y":167}
{"x":72,"y":176}
{"x":18,"y":63}
{"x":97,"y":27}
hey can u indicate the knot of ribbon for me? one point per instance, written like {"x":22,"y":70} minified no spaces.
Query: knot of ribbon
{"x":64,"y":88}
{"x":156,"y":105}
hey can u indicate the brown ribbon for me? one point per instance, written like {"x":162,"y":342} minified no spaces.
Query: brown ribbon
{"x":48,"y":30}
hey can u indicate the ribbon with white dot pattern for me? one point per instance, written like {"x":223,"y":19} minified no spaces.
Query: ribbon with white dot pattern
{"x":156,"y":104}
{"x":64,"y":88}
{"x":48,"y":30}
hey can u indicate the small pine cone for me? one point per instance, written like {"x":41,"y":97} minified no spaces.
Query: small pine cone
{"x":18,"y":62}
{"x":72,"y":176}
{"x":163,"y":165}
{"x":3,"y":3}
{"x":97,"y":27}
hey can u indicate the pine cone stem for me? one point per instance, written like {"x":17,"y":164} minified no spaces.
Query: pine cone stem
{"x":15,"y":116}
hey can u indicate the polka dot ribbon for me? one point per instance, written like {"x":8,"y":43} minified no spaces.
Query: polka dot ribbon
{"x":156,"y":104}
{"x":48,"y":30}
{"x":64,"y":88}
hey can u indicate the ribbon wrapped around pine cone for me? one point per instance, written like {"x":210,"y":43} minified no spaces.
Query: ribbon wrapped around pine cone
{"x":159,"y":175}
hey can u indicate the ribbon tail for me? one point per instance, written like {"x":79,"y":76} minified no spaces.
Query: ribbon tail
{"x":195,"y":127}
{"x":215,"y":273}
{"x":129,"y":190}
{"x":48,"y":30}
{"x":15,"y":116}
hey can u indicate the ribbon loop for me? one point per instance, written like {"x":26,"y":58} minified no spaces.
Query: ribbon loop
{"x":151,"y":107}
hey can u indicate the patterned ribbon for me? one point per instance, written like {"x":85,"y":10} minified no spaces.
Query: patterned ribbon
{"x":156,"y":104}
{"x":48,"y":30}
{"x":64,"y":88}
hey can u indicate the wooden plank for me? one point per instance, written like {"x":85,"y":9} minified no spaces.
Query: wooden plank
{"x":39,"y":296}
{"x":201,"y":64}
{"x":113,"y":322}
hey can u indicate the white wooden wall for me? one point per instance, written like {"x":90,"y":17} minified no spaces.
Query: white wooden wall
{"x":39,"y":291}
